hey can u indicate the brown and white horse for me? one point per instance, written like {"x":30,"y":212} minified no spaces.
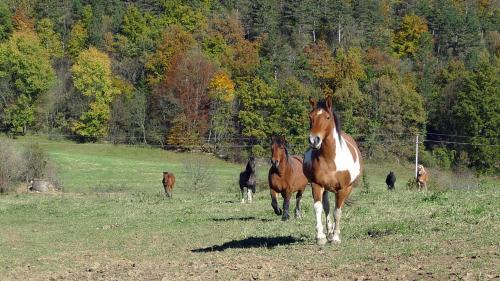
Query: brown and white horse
{"x":333,"y":163}
{"x":168,"y":183}
{"x":285,"y":177}
{"x":422,"y":177}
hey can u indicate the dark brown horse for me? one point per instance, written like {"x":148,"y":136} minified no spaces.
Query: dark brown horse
{"x":333,"y":163}
{"x":285,"y":177}
{"x":390,"y":180}
{"x":168,"y":183}
{"x":248,"y":179}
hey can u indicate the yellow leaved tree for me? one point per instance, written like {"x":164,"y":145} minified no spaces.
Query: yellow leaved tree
{"x":92,"y":77}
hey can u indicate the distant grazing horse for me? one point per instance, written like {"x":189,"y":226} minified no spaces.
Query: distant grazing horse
{"x":285,"y":177}
{"x":422,"y":177}
{"x":168,"y":183}
{"x":333,"y":163}
{"x":248,"y":179}
{"x":390,"y":180}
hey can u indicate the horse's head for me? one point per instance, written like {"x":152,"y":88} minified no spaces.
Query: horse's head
{"x":278,"y":150}
{"x":251,"y":163}
{"x":321,"y":120}
{"x":420,"y":169}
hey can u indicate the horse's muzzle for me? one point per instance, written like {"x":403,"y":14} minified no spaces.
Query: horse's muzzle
{"x":314,"y":141}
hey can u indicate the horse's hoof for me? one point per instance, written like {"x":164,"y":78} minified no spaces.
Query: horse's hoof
{"x":279,"y":212}
{"x":299,"y":215}
{"x":285,"y":218}
{"x":335,"y":240}
{"x":330,"y":237}
{"x":321,"y":241}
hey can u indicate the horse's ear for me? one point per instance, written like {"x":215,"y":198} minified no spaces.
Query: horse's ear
{"x":312,"y":102}
{"x":329,"y":103}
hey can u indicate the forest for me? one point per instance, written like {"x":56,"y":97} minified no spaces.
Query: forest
{"x":227,"y":75}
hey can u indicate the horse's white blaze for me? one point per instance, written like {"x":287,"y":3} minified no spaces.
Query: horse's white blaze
{"x":319,"y":112}
{"x":318,"y":210}
{"x":343,"y":157}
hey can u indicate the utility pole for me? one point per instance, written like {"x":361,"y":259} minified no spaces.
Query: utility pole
{"x":416,"y":157}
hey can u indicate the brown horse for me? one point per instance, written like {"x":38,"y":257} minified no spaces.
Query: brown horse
{"x":285,"y":177}
{"x":333,"y":163}
{"x":168,"y":183}
{"x":422,"y":177}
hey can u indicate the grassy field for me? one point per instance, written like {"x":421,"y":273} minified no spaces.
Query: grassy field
{"x":111,"y":222}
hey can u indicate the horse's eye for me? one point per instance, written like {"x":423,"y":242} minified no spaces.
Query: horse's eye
{"x":328,"y":117}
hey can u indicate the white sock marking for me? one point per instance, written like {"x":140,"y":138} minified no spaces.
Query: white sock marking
{"x":318,"y":210}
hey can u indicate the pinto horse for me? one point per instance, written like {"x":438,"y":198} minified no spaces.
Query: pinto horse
{"x":285,"y":177}
{"x":333,"y":163}
{"x":248,"y":179}
{"x":168,"y":183}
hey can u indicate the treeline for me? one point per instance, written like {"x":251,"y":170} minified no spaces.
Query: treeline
{"x":198,"y":72}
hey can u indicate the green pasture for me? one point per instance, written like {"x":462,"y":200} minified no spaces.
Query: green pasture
{"x":112,"y":222}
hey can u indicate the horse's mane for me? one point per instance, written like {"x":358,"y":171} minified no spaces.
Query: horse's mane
{"x":279,"y":141}
{"x":322,"y":104}
{"x":248,"y":168}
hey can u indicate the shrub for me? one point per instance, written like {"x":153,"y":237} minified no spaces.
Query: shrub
{"x":11,"y":166}
{"x":425,"y":158}
{"x":444,"y":158}
{"x":198,"y":175}
{"x":38,"y":165}
{"x":36,"y":161}
{"x":412,"y":184}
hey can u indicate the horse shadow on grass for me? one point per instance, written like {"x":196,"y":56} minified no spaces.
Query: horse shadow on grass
{"x":251,"y":242}
{"x":251,"y":218}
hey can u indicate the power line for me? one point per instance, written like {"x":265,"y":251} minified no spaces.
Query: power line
{"x":228,"y":146}
{"x":459,"y":136}
{"x":463,"y":143}
{"x":243,"y":138}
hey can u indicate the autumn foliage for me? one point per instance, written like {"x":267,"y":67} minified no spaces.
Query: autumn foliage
{"x":229,"y":74}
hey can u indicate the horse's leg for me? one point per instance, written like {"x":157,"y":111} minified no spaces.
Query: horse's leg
{"x":317,"y":192}
{"x":298,"y":209}
{"x":286,"y":205}
{"x":242,"y":188}
{"x":249,"y":194}
{"x":274,"y":203}
{"x":340,"y":198}
{"x":329,"y":222}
